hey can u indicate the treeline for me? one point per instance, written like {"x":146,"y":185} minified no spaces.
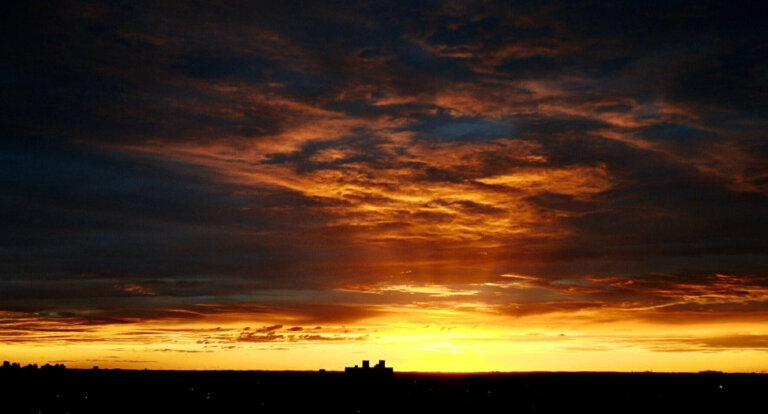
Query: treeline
{"x":16,"y":367}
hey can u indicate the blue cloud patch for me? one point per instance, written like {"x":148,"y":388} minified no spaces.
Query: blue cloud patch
{"x":467,"y":129}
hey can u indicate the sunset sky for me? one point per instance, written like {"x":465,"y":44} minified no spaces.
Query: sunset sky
{"x":450,"y":186}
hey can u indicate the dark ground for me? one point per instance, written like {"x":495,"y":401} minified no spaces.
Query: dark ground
{"x":125,"y":391}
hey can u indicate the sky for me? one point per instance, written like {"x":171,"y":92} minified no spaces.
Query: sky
{"x":450,"y":186}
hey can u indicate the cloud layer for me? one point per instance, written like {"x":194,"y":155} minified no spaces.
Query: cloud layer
{"x":324,"y":164}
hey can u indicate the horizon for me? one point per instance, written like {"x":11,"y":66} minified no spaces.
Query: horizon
{"x":48,"y":365}
{"x":531,"y":187}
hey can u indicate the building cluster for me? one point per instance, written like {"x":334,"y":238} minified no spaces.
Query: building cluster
{"x":378,"y":370}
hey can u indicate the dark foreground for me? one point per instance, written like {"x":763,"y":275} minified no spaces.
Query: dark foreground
{"x":124,"y":391}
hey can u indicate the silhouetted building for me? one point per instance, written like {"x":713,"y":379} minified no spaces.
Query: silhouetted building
{"x":379,"y":370}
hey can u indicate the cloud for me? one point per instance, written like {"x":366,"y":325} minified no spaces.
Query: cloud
{"x":332,"y":165}
{"x":742,"y":342}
